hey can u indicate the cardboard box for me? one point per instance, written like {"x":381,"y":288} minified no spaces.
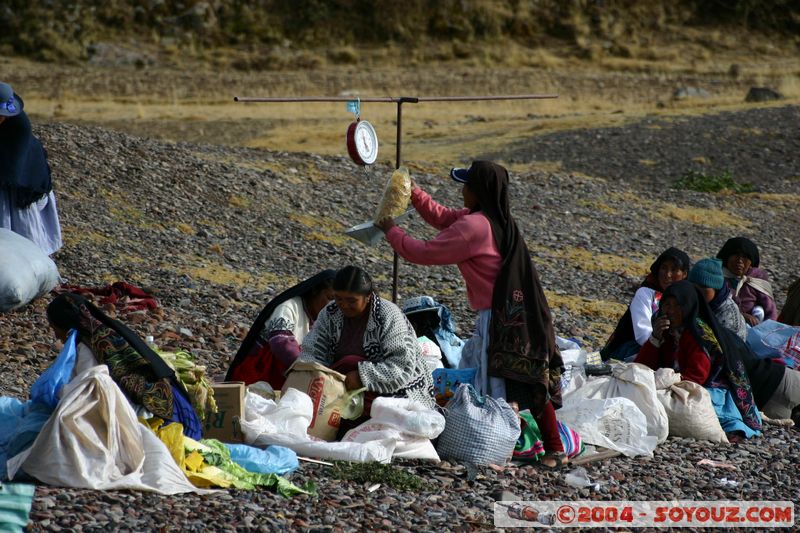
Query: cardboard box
{"x":224,"y":424}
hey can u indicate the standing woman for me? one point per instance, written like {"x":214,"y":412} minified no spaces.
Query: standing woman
{"x":27,"y":202}
{"x":514,"y":347}
{"x":147,"y":381}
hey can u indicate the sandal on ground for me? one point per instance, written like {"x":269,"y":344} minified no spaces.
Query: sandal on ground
{"x":553,"y":460}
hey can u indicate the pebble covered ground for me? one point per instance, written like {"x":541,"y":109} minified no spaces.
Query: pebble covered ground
{"x":215,"y":231}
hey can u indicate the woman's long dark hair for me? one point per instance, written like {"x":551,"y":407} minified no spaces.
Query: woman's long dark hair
{"x":353,"y":279}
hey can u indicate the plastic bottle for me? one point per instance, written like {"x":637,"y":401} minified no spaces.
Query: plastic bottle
{"x":151,"y":342}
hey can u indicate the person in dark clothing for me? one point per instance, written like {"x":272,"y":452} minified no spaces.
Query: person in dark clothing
{"x":687,"y":338}
{"x":27,"y":202}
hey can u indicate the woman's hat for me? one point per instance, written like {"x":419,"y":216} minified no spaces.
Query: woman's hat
{"x":707,"y":273}
{"x":10,"y":104}
{"x":460,"y":175}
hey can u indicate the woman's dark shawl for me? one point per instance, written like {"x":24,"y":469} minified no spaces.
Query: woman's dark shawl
{"x":301,"y":289}
{"x":24,"y":172}
{"x":522,"y":345}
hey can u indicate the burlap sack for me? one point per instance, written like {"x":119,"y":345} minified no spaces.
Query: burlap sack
{"x":396,"y":195}
{"x":689,"y":408}
{"x":328,"y":395}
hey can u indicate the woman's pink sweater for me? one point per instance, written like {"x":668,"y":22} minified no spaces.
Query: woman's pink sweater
{"x":465,"y":240}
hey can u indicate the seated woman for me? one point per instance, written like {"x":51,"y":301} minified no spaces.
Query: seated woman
{"x":707,"y":275}
{"x":751,"y":288}
{"x":687,"y":338}
{"x":27,"y":202}
{"x":147,"y":381}
{"x":369,"y":340}
{"x":790,"y":314}
{"x":273,"y":342}
{"x":636,"y":325}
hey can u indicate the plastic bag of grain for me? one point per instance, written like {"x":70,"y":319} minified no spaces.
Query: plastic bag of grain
{"x":396,"y":195}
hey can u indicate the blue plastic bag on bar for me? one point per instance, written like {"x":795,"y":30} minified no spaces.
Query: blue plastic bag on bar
{"x":273,"y":460}
{"x":47,"y":388}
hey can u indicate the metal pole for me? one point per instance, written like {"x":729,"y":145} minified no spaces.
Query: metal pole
{"x":397,"y":160}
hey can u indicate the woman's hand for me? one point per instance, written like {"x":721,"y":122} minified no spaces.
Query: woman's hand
{"x":753,"y":321}
{"x":385,"y":224}
{"x":352,"y":380}
{"x":414,"y":184}
{"x":661,"y":325}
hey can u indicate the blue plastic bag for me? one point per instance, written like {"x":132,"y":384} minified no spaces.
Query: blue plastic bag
{"x":20,"y":424}
{"x":273,"y":460}
{"x":48,"y":386}
{"x":770,"y":339}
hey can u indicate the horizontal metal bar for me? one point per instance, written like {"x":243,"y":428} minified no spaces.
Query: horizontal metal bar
{"x":393,"y":99}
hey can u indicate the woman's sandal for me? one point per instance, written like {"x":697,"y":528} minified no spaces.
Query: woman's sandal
{"x":554,"y":460}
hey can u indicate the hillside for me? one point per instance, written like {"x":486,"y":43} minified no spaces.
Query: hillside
{"x":314,"y":31}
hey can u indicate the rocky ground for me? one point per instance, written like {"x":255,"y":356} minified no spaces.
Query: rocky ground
{"x":215,"y":231}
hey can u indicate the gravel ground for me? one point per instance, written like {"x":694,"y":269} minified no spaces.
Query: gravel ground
{"x":758,"y":146}
{"x":215,"y":231}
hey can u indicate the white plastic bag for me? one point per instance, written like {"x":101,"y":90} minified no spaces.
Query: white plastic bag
{"x":409,"y":423}
{"x":431,"y":353}
{"x":26,"y":272}
{"x":286,"y":424}
{"x":633,"y":381}
{"x":614,"y":423}
{"x":407,"y":416}
{"x":688,"y":407}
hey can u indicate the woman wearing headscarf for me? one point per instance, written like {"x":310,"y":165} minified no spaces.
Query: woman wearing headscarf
{"x":687,"y":338}
{"x":370,"y":341}
{"x":273,"y":342}
{"x":636,"y":325}
{"x":750,"y":285}
{"x":147,"y":381}
{"x":513,"y":347}
{"x":27,"y":202}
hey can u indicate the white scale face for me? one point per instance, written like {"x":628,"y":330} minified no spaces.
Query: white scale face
{"x":366,"y":141}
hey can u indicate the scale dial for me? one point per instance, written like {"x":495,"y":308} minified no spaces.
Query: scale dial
{"x":362,"y":142}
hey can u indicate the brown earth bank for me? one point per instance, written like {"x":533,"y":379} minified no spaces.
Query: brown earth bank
{"x":214,"y":231}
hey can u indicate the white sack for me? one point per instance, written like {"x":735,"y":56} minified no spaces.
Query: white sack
{"x":411,"y":424}
{"x":633,"y":381}
{"x":615,"y":423}
{"x":94,"y":441}
{"x":26,"y":272}
{"x":286,"y":424}
{"x":689,"y":408}
{"x":408,"y":416}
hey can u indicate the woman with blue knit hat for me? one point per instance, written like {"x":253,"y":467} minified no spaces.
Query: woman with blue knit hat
{"x":707,"y":275}
{"x":750,"y":285}
{"x":27,"y":203}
